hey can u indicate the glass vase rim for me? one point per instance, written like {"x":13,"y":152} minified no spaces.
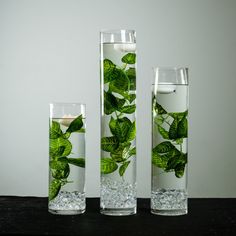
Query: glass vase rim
{"x":173,"y":68}
{"x":68,"y":103}
{"x":102,"y":31}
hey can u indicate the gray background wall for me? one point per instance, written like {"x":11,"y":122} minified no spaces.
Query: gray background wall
{"x":49,"y":51}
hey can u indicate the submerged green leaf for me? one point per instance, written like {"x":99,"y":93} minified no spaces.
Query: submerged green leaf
{"x":179,"y":171}
{"x":110,"y":103}
{"x":132,"y":152}
{"x":158,"y":108}
{"x":159,"y":160}
{"x":173,"y":129}
{"x":179,"y":141}
{"x":112,"y":125}
{"x":132,"y":132}
{"x":66,"y":135}
{"x":121,"y":153}
{"x":60,"y":168}
{"x":179,"y":127}
{"x":183,"y":128}
{"x":120,"y":128}
{"x":108,"y":165}
{"x":164,"y":147}
{"x":59,"y":147}
{"x":121,"y":84}
{"x":80,"y":162}
{"x":55,"y":130}
{"x":162,"y":153}
{"x":128,"y":109}
{"x":129,"y":58}
{"x":131,"y":73}
{"x":123,"y":168}
{"x":109,"y":144}
{"x":178,"y":115}
{"x":108,"y":65}
{"x":109,"y":70}
{"x":164,"y":133}
{"x":120,"y":103}
{"x":131,"y":97}
{"x":125,"y":95}
{"x":159,"y":120}
{"x":54,"y":189}
{"x":177,"y":164}
{"x":176,"y":159}
{"x":169,"y":158}
{"x":75,"y":125}
{"x":117,"y":155}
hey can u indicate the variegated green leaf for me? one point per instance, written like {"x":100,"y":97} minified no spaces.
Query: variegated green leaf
{"x":108,"y":165}
{"x":59,"y":147}
{"x":129,"y":58}
{"x":164,"y":133}
{"x":55,"y":130}
{"x":54,"y":189}
{"x":123,"y":168}
{"x":109,"y":144}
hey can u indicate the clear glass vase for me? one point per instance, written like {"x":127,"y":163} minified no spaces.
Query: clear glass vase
{"x":66,"y":159}
{"x":169,"y":141}
{"x":118,"y":128}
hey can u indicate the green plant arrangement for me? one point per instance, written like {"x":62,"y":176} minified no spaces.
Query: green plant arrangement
{"x":60,"y":149}
{"x":168,"y":155}
{"x":119,"y":103}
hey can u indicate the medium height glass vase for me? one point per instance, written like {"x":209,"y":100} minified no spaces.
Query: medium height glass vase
{"x":118,"y":128}
{"x":169,"y":141}
{"x":66,"y":159}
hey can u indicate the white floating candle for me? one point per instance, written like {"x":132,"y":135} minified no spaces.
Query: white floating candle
{"x":128,"y":47}
{"x":67,"y":119}
{"x":166,"y":88}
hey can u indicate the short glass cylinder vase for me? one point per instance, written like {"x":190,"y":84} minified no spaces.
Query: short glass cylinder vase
{"x":169,"y":141}
{"x":66,"y":159}
{"x":118,"y":128}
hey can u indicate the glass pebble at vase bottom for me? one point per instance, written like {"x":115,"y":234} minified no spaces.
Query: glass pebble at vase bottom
{"x":118,"y":129}
{"x":66,"y":159}
{"x":169,"y":141}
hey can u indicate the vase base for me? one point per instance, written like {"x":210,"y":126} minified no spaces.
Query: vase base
{"x":118,"y":211}
{"x":172,"y":212}
{"x":66,"y":212}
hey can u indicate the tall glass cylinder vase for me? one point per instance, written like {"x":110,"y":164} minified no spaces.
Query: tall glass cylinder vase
{"x":118,"y":129}
{"x":169,"y":141}
{"x":66,"y":159}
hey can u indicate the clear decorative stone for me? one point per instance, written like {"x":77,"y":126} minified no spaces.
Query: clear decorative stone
{"x":117,"y":194}
{"x":68,"y":201}
{"x":169,"y":199}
